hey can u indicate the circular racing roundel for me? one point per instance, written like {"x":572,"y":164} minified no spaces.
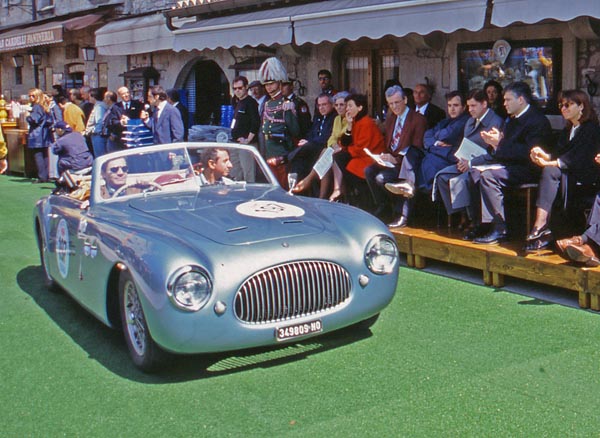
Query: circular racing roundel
{"x":62,"y":248}
{"x":269,"y":209}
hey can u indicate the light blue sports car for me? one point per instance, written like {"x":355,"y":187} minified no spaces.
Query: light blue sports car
{"x":188,"y":254}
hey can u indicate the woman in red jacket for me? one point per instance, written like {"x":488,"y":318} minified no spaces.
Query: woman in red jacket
{"x":361,"y":133}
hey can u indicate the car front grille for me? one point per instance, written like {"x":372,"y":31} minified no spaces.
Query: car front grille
{"x":292,"y":290}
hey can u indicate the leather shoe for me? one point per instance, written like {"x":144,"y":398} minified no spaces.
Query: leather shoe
{"x":538,"y":244}
{"x":495,"y":236}
{"x":401,"y":222}
{"x":583,"y":254}
{"x":403,"y":188}
{"x":536,"y":233}
{"x":472,"y":232}
{"x":562,"y":244}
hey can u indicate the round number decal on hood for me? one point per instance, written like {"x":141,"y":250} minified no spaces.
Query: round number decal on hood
{"x":269,"y":209}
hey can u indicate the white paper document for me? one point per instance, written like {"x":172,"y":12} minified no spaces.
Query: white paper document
{"x":468,"y":150}
{"x":378,"y":159}
{"x":324,"y":163}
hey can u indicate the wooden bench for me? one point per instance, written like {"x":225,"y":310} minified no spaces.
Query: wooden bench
{"x":498,"y":261}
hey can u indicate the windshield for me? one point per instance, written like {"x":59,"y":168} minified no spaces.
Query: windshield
{"x":177,"y":167}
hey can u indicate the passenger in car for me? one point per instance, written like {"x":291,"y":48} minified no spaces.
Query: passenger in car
{"x":216,"y":166}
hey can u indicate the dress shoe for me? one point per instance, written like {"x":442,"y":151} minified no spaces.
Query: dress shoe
{"x":403,"y":188}
{"x":583,"y":254}
{"x":562,"y":244}
{"x":539,"y":243}
{"x":401,"y":222}
{"x":537,"y":233}
{"x":473,"y":232}
{"x":497,"y":235}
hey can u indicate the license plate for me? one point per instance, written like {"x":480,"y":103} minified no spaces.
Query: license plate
{"x":297,"y":330}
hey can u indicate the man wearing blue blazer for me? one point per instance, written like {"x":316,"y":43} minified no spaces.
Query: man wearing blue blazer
{"x":456,"y":195}
{"x":166,"y":123}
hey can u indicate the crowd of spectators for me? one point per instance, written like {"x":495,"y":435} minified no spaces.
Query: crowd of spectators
{"x":464,"y":158}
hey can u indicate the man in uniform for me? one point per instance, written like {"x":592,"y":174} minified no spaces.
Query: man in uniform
{"x":302,"y":111}
{"x":280,"y":123}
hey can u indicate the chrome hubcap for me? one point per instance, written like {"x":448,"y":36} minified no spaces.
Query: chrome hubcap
{"x":134,"y":318}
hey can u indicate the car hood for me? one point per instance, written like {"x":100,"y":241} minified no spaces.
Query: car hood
{"x":235,"y":217}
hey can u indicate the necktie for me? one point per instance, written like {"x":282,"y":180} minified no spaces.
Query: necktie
{"x":396,"y":137}
{"x":126,"y":106}
{"x":477,"y":122}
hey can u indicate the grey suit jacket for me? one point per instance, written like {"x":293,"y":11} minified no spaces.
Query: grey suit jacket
{"x":168,"y":128}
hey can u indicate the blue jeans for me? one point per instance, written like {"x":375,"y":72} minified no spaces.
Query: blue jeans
{"x":99,"y":145}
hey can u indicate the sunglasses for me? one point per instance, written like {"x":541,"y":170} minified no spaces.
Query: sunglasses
{"x":565,"y":105}
{"x":238,"y":88}
{"x":115,"y":169}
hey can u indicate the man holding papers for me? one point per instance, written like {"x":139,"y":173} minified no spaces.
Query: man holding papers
{"x":453,"y":184}
{"x":404,"y":130}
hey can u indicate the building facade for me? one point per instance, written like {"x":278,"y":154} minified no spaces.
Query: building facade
{"x":199,"y":46}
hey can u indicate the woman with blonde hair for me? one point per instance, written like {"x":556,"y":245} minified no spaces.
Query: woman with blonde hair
{"x":39,"y":137}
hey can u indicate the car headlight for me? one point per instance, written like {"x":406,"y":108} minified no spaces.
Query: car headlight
{"x":189,"y":288}
{"x":381,"y":254}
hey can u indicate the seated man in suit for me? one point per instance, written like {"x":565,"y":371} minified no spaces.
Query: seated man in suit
{"x":433,"y":113}
{"x":303,"y":157}
{"x":510,"y":150}
{"x":457,"y":198}
{"x":403,"y":128}
{"x":166,"y":123}
{"x":419,"y":166}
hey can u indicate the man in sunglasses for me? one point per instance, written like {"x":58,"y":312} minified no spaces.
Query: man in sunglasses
{"x":115,"y":172}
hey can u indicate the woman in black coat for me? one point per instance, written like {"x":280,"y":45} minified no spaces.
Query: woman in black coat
{"x":577,"y":146}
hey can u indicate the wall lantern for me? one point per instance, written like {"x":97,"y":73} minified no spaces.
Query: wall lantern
{"x":35,"y":59}
{"x":17,"y":61}
{"x":88,"y":53}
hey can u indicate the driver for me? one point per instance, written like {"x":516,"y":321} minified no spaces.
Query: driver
{"x":114,"y":172}
{"x":217,"y":166}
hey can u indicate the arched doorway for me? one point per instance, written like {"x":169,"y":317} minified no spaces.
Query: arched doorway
{"x":203,"y":89}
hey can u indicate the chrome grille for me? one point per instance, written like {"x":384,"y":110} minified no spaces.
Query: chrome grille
{"x":292,"y":290}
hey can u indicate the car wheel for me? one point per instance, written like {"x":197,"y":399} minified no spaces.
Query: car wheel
{"x":48,"y":281}
{"x":144,"y":352}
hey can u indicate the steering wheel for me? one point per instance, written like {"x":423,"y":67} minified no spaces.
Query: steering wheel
{"x":149,"y":184}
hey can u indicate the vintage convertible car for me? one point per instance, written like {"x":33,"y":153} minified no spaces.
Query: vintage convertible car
{"x":164,"y":243}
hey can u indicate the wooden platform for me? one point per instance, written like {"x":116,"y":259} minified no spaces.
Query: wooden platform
{"x":496,"y":261}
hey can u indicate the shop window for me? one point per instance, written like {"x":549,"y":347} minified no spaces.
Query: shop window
{"x":366,"y":71}
{"x":18,"y":75}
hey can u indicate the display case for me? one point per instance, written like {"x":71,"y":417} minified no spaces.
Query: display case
{"x":139,"y":80}
{"x":20,"y":160}
{"x":536,"y":62}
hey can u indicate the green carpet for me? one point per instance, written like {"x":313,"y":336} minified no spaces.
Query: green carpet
{"x":446,"y":358}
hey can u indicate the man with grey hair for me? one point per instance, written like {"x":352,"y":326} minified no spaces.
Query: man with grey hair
{"x":403,"y":128}
{"x":303,"y":157}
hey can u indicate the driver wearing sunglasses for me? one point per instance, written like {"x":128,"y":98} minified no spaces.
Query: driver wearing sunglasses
{"x":114,"y":173}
